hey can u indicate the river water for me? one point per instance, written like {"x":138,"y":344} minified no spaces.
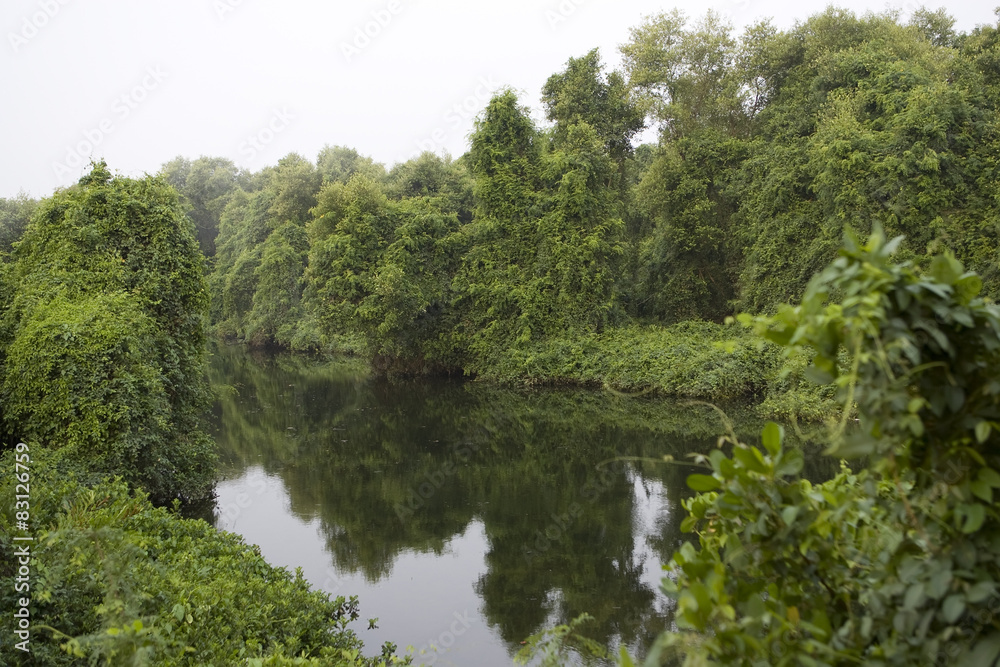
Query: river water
{"x":465,"y":517}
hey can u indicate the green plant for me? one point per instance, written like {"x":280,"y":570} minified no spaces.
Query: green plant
{"x":102,"y":334}
{"x":117,"y":581}
{"x":551,"y":647}
{"x":897,"y":564}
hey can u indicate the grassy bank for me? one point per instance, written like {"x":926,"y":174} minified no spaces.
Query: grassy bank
{"x":696,"y":360}
{"x":690,"y":360}
{"x":693,"y":359}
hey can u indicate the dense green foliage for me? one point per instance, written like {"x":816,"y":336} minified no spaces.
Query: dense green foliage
{"x":688,"y":359}
{"x":873,"y":123}
{"x":565,"y":254}
{"x":542,"y":250}
{"x":116,"y":581}
{"x":102,"y":335}
{"x":14,"y":217}
{"x":102,"y":372}
{"x":380,"y":267}
{"x":207,"y":185}
{"x":771,"y":142}
{"x":897,"y":563}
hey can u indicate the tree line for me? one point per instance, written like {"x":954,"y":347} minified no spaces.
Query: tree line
{"x":770,"y":143}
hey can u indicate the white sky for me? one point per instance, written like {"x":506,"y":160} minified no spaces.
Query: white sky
{"x":201,"y":77}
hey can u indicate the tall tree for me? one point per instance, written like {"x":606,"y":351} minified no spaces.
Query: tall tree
{"x":105,"y":353}
{"x":339,"y":163}
{"x":256,"y":283}
{"x":871,"y":123}
{"x":698,"y":77}
{"x":542,"y":245}
{"x":689,"y":262}
{"x":582,"y":93}
{"x":205,"y":186}
{"x":444,"y":181}
{"x":15,"y":214}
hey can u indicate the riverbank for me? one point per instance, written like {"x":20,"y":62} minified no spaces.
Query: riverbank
{"x":695,"y":359}
{"x":116,"y":579}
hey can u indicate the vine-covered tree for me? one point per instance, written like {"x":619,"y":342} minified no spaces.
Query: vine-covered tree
{"x":546,"y":234}
{"x":104,"y":335}
{"x":15,"y":213}
{"x":582,"y":93}
{"x":262,"y":249}
{"x":205,"y":186}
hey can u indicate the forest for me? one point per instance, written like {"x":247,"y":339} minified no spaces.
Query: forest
{"x":848,"y":165}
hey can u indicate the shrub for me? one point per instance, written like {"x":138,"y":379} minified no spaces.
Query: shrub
{"x":897,"y":564}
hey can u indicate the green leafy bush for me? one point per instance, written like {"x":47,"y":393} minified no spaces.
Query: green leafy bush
{"x":898,"y":563}
{"x":117,"y":581}
{"x":102,"y":334}
{"x":689,"y":359}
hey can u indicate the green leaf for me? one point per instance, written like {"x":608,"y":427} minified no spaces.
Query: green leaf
{"x":771,"y":437}
{"x":716,"y":458}
{"x":990,"y":476}
{"x":982,"y":431}
{"x":972,"y":516}
{"x":624,"y":659}
{"x":985,"y":653}
{"x":703,"y":483}
{"x":821,"y":622}
{"x":982,"y":490}
{"x":946,"y":269}
{"x":981,"y":591}
{"x":751,"y":459}
{"x":953,"y":607}
{"x":789,"y":513}
{"x":791,"y":463}
{"x":939,"y":584}
{"x":968,"y":287}
{"x":914,"y":596}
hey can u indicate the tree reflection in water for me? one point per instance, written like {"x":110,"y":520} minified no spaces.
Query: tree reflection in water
{"x":553,"y":476}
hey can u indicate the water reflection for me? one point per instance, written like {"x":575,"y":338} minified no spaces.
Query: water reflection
{"x":529,"y":486}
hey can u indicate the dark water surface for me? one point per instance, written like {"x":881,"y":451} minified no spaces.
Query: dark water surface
{"x":463,"y":515}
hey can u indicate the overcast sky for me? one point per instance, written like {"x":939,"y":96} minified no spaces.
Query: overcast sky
{"x":139,"y":82}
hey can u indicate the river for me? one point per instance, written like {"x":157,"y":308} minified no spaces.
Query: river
{"x":466,"y":517}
